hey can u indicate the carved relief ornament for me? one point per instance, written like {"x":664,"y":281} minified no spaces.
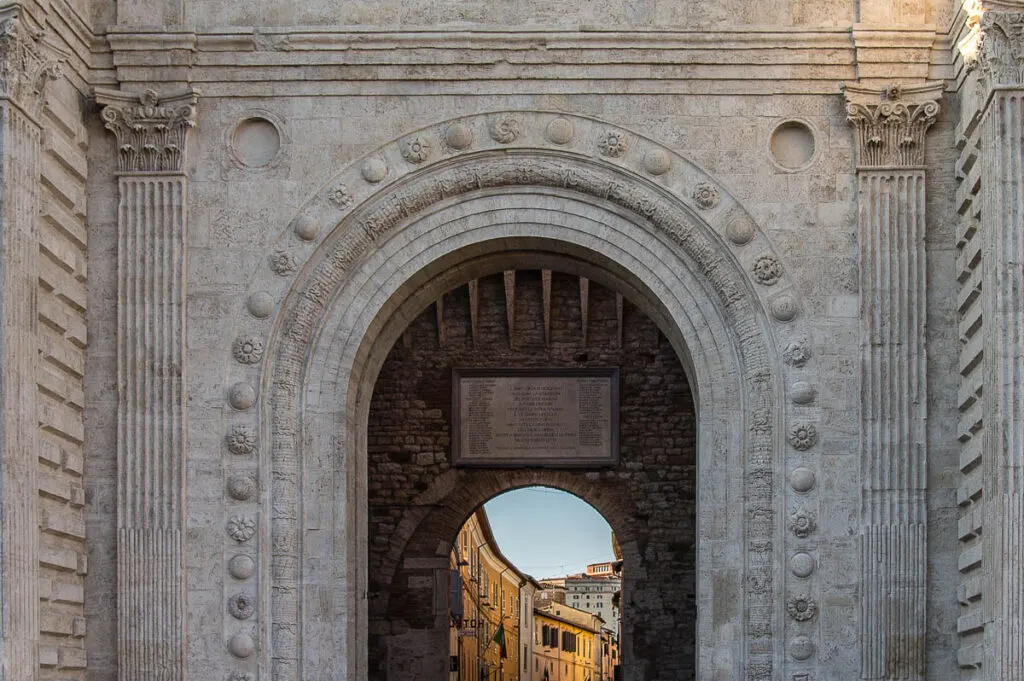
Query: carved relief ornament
{"x":1001,"y":52}
{"x":27,"y":63}
{"x":891,"y":124}
{"x":151,"y":130}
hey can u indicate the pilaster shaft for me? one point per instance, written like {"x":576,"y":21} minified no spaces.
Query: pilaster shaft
{"x":152,"y":220}
{"x":25,"y":68}
{"x":1002,"y":232}
{"x":890,"y":127}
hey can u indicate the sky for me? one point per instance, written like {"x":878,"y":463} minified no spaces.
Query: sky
{"x":547,"y":532}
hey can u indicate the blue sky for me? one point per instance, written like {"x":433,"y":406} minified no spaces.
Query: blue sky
{"x":547,"y":532}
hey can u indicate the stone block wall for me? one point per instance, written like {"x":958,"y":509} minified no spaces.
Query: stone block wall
{"x":649,"y":498}
{"x":61,"y":336}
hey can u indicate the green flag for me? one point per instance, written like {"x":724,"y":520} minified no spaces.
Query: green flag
{"x":499,"y":638}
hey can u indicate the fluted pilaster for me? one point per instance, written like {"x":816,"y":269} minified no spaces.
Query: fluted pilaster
{"x":890,"y":128}
{"x":1002,"y":231}
{"x":26,"y":66}
{"x":152,"y":220}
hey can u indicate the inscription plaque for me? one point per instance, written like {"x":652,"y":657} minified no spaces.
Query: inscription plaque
{"x":535,"y":417}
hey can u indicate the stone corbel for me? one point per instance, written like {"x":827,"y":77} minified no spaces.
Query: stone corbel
{"x":891,"y":123}
{"x":151,"y":130}
{"x":27,"y":61}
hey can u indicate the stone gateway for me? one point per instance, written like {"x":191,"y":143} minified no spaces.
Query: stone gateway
{"x":744,"y":275}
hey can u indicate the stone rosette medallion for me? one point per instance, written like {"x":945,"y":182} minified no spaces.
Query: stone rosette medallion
{"x":241,"y":440}
{"x":801,"y":608}
{"x":803,"y":436}
{"x":241,"y":528}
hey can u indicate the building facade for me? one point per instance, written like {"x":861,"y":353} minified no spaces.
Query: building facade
{"x":595,"y":593}
{"x":567,"y":644}
{"x":244,"y":245}
{"x":485,"y":594}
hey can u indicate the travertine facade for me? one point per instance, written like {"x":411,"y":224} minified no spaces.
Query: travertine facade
{"x":246,"y":205}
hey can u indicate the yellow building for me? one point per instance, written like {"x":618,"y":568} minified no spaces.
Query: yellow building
{"x":567,"y":644}
{"x":485,"y":598}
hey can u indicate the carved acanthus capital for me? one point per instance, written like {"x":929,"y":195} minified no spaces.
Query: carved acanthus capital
{"x":151,"y":130}
{"x":1001,"y":54}
{"x":891,"y":123}
{"x":27,"y":64}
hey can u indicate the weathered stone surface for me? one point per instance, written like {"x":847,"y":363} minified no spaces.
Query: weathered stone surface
{"x":195,"y":310}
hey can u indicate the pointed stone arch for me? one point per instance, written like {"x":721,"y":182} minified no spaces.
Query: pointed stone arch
{"x":457,"y":198}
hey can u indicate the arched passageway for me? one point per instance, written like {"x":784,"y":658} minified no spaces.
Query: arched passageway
{"x":418,"y":500}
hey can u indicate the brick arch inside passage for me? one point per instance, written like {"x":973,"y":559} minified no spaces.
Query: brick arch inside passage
{"x":417,"y":500}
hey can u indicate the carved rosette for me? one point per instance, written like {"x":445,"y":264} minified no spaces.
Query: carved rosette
{"x":802,"y":523}
{"x":1001,"y":52}
{"x":241,"y":528}
{"x":151,"y":130}
{"x":27,"y":64}
{"x":891,"y":123}
{"x":802,"y":608}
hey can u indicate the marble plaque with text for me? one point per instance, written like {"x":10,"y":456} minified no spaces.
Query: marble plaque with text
{"x":535,"y":417}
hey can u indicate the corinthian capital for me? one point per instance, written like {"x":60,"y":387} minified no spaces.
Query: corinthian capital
{"x":891,"y":123}
{"x":151,"y":131}
{"x":26,"y":63}
{"x":1001,"y":56}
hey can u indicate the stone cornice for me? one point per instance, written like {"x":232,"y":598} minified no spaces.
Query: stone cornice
{"x":1001,"y":54}
{"x":151,"y":130}
{"x":27,"y":62}
{"x":891,"y":123}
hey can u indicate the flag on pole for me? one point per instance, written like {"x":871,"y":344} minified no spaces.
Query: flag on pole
{"x":499,"y":638}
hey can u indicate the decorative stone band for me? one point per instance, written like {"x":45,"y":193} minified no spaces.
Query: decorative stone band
{"x":891,"y":123}
{"x":27,"y":63}
{"x":151,"y":130}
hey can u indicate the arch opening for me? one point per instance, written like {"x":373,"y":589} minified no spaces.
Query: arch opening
{"x":419,"y":497}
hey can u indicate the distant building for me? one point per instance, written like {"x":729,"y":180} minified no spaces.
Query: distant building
{"x":601,"y":569}
{"x":595,"y":594}
{"x":567,"y":644}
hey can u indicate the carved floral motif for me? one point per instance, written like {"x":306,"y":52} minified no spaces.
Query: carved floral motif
{"x":801,"y":608}
{"x":26,"y":65}
{"x":705,"y":196}
{"x":247,"y":349}
{"x":767,"y":270}
{"x":891,"y":123}
{"x":283,"y":263}
{"x":503,"y":130}
{"x":416,"y":149}
{"x":803,"y":436}
{"x":613,"y":144}
{"x":801,"y":523}
{"x":796,"y":354}
{"x":339,"y":197}
{"x":241,"y":528}
{"x":1001,"y":55}
{"x":241,"y":440}
{"x":151,"y":131}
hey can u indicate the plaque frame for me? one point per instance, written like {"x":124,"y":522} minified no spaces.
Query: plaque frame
{"x":458,"y":373}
